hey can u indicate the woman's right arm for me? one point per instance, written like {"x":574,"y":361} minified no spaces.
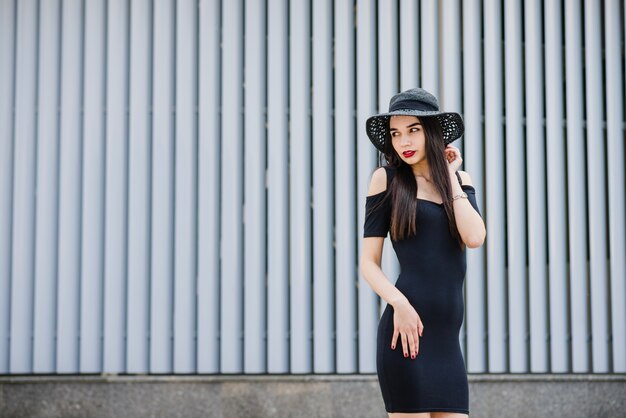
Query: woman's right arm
{"x":373,"y":274}
{"x":407,"y":324}
{"x":373,"y":250}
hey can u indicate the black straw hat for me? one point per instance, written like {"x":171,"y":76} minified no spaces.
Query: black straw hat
{"x":414,"y":102}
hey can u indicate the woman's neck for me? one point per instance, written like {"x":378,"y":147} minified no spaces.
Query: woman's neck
{"x":421,"y":169}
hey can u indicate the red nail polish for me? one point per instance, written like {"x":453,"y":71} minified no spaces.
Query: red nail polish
{"x":406,"y":354}
{"x":413,"y":356}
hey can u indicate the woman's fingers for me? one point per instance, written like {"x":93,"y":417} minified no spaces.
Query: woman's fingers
{"x":408,"y":326}
{"x":414,"y":339}
{"x":394,"y":339}
{"x":413,"y":343}
{"x":405,"y":344}
{"x":417,"y":343}
{"x":410,"y":342}
{"x":452,"y":153}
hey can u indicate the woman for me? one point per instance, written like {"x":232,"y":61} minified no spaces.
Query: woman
{"x":429,"y":209}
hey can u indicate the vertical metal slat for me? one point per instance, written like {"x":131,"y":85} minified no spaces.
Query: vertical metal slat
{"x":407,"y":18}
{"x":345,"y":194}
{"x":162,"y":268}
{"x":535,"y":172}
{"x":231,"y":274}
{"x":576,"y":202}
{"x":615,"y":161}
{"x":429,"y":25}
{"x":24,"y":186}
{"x":368,"y":301}
{"x":494,"y":211}
{"x":451,"y":88}
{"x":68,"y":295}
{"x":557,"y":186}
{"x":117,"y":304}
{"x":92,"y":222}
{"x":47,"y":189}
{"x":209,"y":167}
{"x":322,"y":145}
{"x":278,"y":237}
{"x":300,"y":187}
{"x":388,"y":53}
{"x":139,"y":191}
{"x":515,"y":189}
{"x":7,"y":85}
{"x":209,"y":187}
{"x":255,"y":244}
{"x":114,"y":346}
{"x":596,"y":196}
{"x":185,"y":190}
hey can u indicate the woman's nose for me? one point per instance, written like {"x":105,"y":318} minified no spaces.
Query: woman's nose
{"x":404,"y":140}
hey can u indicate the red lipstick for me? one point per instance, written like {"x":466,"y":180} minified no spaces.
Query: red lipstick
{"x":408,"y":154}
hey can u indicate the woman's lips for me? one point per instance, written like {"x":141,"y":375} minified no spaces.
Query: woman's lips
{"x":408,"y":154}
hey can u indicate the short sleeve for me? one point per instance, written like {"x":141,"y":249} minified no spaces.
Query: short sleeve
{"x":377,"y":215}
{"x":471,"y":196}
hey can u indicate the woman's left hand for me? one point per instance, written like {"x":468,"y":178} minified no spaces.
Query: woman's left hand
{"x":453,"y":155}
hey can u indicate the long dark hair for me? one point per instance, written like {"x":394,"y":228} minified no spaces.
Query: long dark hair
{"x":403,"y":188}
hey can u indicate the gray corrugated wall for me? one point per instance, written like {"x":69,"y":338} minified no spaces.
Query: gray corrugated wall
{"x":182,"y":182}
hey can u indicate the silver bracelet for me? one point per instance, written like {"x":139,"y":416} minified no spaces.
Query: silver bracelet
{"x":460,"y":196}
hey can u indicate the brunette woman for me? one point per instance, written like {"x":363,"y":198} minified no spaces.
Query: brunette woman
{"x":428,"y":208}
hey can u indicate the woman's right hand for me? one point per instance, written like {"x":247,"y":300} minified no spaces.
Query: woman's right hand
{"x":408,"y":326}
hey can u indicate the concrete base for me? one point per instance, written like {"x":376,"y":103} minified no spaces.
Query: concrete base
{"x":572,"y":396}
{"x":296,"y":396}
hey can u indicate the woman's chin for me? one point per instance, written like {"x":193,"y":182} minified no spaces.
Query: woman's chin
{"x":411,"y":160}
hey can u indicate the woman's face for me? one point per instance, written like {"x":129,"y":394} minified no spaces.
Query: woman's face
{"x":408,"y":139}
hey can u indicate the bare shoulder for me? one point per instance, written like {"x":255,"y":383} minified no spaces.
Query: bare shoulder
{"x":378,"y":183}
{"x":466,"y":178}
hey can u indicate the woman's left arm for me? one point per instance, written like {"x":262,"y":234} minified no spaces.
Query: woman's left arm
{"x":469,"y":222}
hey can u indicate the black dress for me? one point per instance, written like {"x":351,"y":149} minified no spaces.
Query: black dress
{"x":432,"y":270}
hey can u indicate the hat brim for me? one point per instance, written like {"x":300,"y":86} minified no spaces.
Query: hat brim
{"x":377,"y":126}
